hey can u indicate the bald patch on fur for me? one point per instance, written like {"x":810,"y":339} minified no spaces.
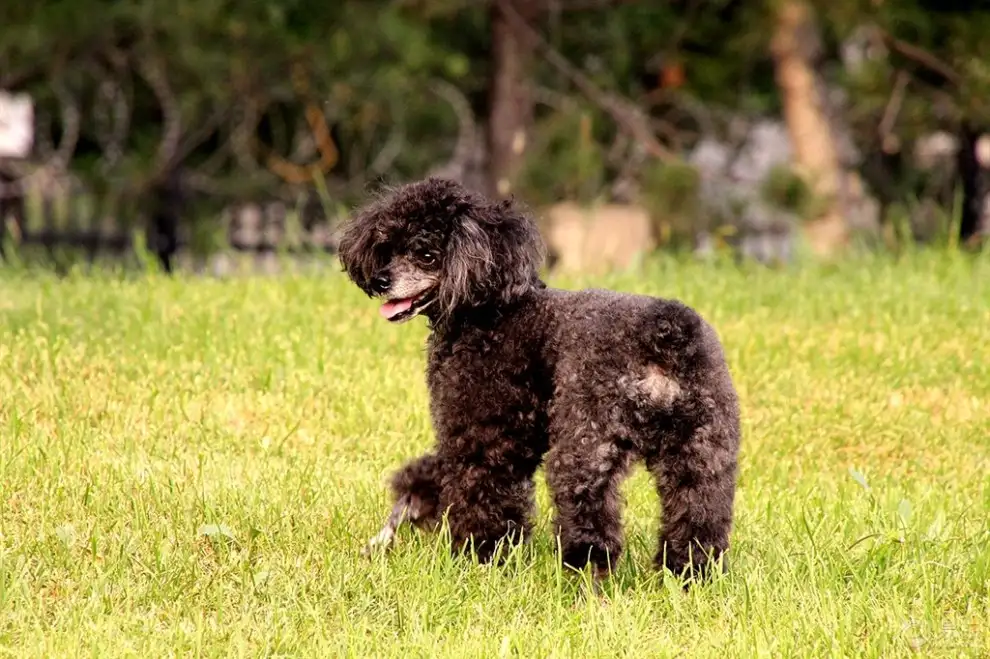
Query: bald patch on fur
{"x":659,"y":386}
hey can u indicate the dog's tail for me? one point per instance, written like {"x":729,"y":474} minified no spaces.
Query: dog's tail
{"x":678,"y":338}
{"x":687,"y":365}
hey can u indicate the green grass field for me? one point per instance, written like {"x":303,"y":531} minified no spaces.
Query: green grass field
{"x":190,"y":468}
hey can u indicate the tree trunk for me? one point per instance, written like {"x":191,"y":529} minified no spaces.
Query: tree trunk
{"x":510,"y":98}
{"x":12,"y":216}
{"x":793,"y":45}
{"x":168,"y":200}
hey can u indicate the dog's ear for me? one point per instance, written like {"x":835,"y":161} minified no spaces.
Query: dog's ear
{"x":494,"y":252}
{"x":356,"y":247}
{"x":467,"y":264}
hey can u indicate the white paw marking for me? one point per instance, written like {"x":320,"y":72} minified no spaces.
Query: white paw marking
{"x":383,"y":539}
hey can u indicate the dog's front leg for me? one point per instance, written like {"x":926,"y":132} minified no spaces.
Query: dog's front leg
{"x":485,"y":505}
{"x":416,"y":489}
{"x":386,"y":536}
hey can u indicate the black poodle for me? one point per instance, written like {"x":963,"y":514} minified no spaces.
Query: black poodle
{"x":522,"y":375}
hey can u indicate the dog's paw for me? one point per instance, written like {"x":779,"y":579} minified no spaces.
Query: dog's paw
{"x":406,"y":508}
{"x":382,"y":541}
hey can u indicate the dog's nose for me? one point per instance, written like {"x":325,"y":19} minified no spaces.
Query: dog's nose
{"x":381,"y":283}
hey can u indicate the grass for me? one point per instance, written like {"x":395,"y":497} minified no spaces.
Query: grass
{"x":190,"y":467}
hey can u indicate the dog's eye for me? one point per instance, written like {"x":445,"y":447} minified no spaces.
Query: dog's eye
{"x":427,"y":257}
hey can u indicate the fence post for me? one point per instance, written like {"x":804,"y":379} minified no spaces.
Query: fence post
{"x":167,"y":206}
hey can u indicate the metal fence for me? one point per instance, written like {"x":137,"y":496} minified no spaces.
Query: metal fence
{"x":65,"y":228}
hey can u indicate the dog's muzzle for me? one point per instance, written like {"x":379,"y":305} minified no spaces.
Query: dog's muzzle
{"x":407,"y":292}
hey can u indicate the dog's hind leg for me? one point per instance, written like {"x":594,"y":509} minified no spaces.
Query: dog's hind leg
{"x":584,"y":479}
{"x":694,"y":447}
{"x":416,"y":490}
{"x":696,"y":479}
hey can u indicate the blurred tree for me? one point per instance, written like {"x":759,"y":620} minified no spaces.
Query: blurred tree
{"x":232,"y":99}
{"x":913,"y":67}
{"x":796,"y":48}
{"x":510,"y":110}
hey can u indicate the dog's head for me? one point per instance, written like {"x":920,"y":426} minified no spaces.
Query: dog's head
{"x":433,"y":247}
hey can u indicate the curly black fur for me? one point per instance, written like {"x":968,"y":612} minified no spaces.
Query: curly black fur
{"x":522,"y":375}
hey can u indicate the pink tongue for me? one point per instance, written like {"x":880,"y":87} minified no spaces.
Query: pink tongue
{"x":393,"y":308}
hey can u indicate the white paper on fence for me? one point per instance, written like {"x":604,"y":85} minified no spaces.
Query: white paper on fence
{"x":16,"y":125}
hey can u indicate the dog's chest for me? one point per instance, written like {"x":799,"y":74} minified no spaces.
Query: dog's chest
{"x":481,"y":379}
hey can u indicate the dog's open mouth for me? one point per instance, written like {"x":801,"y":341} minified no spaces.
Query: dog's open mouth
{"x":399,"y":309}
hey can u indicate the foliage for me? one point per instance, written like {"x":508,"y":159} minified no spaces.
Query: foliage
{"x":366,"y":63}
{"x":565,"y":162}
{"x":253,"y":83}
{"x":946,"y":61}
{"x":783,"y":188}
{"x":937,"y":50}
{"x":669,"y":191}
